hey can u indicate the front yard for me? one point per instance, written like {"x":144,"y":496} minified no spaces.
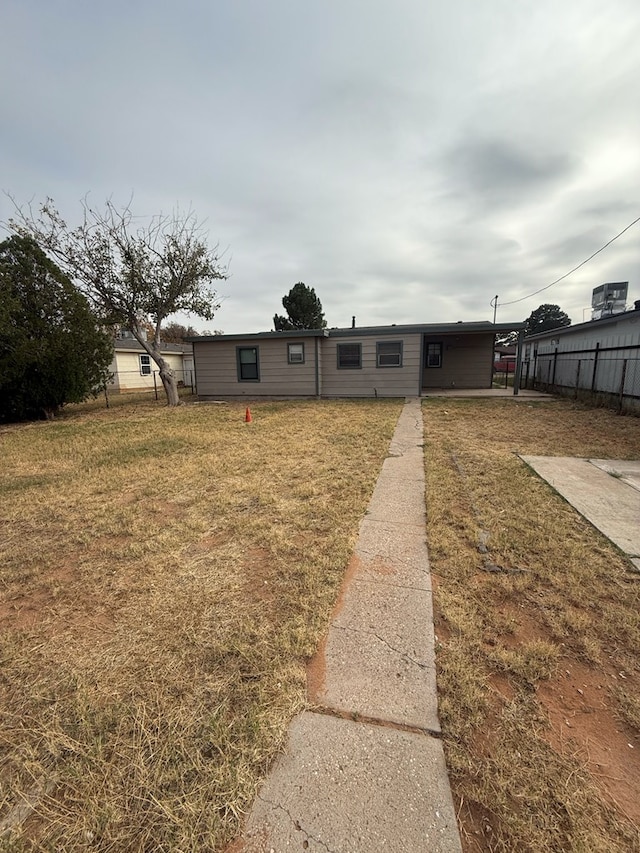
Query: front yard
{"x":538,"y":625}
{"x":165,"y":574}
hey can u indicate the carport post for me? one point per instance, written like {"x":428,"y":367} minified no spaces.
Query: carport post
{"x":518,"y":373}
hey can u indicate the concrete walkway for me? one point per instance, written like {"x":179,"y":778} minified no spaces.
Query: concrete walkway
{"x":364,"y":770}
{"x":605,"y":491}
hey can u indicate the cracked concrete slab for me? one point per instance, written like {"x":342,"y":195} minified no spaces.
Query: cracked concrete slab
{"x":627,"y":470}
{"x":347,"y":787}
{"x":609,"y":503}
{"x":406,"y":468}
{"x":379,"y":659}
{"x":394,"y":500}
{"x":379,"y":561}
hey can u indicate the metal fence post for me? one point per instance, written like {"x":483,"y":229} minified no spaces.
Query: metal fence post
{"x":578,"y":378}
{"x":555,"y":363}
{"x":595,"y":367}
{"x":624,"y":376}
{"x":155,"y":384}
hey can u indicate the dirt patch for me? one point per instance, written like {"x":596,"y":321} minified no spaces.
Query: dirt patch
{"x":258,"y":576}
{"x":584,"y":723}
{"x":316,"y":668}
{"x":21,"y":611}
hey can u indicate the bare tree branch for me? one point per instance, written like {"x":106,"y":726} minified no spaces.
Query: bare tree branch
{"x":134,"y":274}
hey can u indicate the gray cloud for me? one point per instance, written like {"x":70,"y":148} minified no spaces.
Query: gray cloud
{"x":498,"y":173}
{"x":406,"y":160}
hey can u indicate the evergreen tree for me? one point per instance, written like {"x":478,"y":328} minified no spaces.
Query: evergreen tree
{"x":544,"y":318}
{"x":52,"y":348}
{"x":304,"y":310}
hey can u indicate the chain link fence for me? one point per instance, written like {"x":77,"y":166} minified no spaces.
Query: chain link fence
{"x":603,"y":376}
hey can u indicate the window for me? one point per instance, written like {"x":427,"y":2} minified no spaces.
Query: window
{"x":295,"y":353}
{"x":433,"y":355}
{"x":248,"y":368}
{"x":389,"y":354}
{"x":350,"y":356}
{"x":145,"y":365}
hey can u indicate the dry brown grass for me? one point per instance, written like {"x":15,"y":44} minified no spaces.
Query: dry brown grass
{"x":538,"y":663}
{"x":165,"y":575}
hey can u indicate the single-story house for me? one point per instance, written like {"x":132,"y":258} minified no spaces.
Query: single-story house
{"x":133,"y":369}
{"x":600,"y":356}
{"x":371,"y":361}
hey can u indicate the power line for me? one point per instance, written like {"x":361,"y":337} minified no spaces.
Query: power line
{"x":546,"y":287}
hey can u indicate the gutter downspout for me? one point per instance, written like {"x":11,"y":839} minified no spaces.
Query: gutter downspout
{"x":518,"y":374}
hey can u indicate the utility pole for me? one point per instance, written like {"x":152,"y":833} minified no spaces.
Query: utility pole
{"x":494,"y":302}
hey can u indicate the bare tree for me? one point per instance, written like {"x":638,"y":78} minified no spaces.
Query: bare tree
{"x":133,"y":272}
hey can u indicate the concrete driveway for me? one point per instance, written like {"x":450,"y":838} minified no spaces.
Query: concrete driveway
{"x":605,"y":491}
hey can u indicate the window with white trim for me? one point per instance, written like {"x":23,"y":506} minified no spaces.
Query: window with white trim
{"x":145,"y":365}
{"x":389,"y":354}
{"x":295,"y":353}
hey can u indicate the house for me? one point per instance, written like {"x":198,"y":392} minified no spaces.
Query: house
{"x":504,"y":359}
{"x":133,"y":369}
{"x":601,"y":357}
{"x":371,"y":361}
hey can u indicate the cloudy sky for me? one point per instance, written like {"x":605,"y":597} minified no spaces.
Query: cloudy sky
{"x":407,"y":159}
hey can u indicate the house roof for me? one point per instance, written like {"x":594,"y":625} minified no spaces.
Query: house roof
{"x":581,"y":327}
{"x":365,"y":331}
{"x":131,"y":345}
{"x":483,"y":326}
{"x":296,"y":333}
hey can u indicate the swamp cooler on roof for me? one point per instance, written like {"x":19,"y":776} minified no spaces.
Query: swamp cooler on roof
{"x":608,"y":299}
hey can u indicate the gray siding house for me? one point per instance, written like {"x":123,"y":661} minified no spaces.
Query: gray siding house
{"x":382,"y":361}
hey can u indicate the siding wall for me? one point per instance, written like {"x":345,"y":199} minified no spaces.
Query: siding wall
{"x":369,"y":379}
{"x":623,"y":333}
{"x":622,"y":336}
{"x":217,"y":371}
{"x":467,"y":362}
{"x":126,"y":369}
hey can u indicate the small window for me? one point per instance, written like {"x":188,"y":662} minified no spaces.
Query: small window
{"x":350,"y":356}
{"x":295,"y":353}
{"x":433,"y":355}
{"x":248,"y":368}
{"x":389,"y":354}
{"x":145,"y":365}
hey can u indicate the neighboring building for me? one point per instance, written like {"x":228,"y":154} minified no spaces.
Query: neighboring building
{"x":601,"y":357}
{"x":133,"y":368}
{"x":504,"y":359}
{"x":373,"y":361}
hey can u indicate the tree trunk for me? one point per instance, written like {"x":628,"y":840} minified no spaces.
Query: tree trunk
{"x":166,"y":374}
{"x":170,"y":384}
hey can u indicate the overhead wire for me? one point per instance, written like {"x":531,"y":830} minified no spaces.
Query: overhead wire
{"x":586,"y":261}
